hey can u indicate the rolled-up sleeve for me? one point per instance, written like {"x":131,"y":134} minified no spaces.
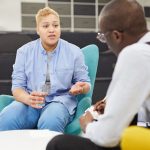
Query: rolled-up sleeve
{"x":81,"y":70}
{"x":18,"y":75}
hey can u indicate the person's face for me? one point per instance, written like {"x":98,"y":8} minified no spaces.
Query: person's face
{"x":111,"y":37}
{"x":49,"y":31}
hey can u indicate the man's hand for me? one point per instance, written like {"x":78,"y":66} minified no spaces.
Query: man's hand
{"x":100,"y":106}
{"x":86,"y":119}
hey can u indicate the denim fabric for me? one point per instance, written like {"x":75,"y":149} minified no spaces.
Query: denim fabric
{"x":54,"y":116}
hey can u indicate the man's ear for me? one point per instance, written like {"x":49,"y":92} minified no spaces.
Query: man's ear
{"x":117,"y":36}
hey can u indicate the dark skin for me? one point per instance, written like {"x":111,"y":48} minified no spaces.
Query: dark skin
{"x":119,"y":31}
{"x":100,"y":106}
{"x":87,"y":118}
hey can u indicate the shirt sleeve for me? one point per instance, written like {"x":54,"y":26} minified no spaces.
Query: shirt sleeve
{"x":81,"y":70}
{"x":18,"y":75}
{"x":123,"y":100}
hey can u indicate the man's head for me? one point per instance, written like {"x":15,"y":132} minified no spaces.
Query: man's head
{"x":122,"y":23}
{"x":48,"y":27}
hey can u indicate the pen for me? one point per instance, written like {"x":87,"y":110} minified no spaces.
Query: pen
{"x":104,"y":99}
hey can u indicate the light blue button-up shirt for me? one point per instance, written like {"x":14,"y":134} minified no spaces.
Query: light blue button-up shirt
{"x":66,"y":68}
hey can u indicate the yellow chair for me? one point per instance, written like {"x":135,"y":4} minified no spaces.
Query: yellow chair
{"x":135,"y":138}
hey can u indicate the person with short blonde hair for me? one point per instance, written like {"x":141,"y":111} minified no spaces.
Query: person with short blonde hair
{"x":47,"y":75}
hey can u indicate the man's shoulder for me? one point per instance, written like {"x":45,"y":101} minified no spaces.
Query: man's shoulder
{"x":135,"y":54}
{"x":135,"y":49}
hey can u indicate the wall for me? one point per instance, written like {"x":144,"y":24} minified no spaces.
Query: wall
{"x":146,"y":6}
{"x":76,"y":15}
{"x":10,"y":16}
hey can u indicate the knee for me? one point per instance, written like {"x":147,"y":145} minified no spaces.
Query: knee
{"x":53,"y":124}
{"x":7,"y":122}
{"x":52,"y":119}
{"x":6,"y":118}
{"x":9,"y":117}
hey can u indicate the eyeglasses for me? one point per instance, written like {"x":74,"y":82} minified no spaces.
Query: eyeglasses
{"x":101,"y":37}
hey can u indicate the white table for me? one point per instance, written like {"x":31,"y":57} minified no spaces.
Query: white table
{"x":25,"y":139}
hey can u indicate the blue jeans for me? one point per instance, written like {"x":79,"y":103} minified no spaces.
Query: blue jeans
{"x":54,"y":116}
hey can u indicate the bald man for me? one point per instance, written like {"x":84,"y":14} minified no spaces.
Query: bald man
{"x":122,"y":26}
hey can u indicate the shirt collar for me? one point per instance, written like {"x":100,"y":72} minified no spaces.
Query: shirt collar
{"x":145,"y":38}
{"x":43,"y":51}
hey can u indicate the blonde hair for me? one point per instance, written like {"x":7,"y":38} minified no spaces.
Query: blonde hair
{"x":45,"y":12}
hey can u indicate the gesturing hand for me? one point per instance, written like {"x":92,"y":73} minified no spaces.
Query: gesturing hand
{"x":77,"y":88}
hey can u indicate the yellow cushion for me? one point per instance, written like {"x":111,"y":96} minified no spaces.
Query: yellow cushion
{"x":135,"y":138}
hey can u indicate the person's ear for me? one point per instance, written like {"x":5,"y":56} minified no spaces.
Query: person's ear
{"x":117,"y":36}
{"x":37,"y":31}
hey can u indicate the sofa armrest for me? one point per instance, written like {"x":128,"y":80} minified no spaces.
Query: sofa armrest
{"x":5,"y":100}
{"x":74,"y":126}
